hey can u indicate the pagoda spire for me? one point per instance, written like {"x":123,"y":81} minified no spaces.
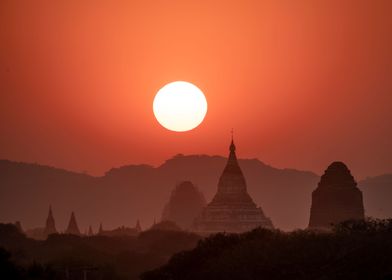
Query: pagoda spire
{"x":232,"y":181}
{"x":232,"y":160}
{"x":50,"y":226}
{"x":73,"y":226}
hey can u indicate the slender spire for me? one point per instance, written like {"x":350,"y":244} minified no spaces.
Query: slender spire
{"x":50,"y":226}
{"x":100,"y":231}
{"x":50,"y":216}
{"x":232,"y":156}
{"x":73,"y":226}
{"x":232,"y":146}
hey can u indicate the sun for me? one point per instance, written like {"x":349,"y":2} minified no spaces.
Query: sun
{"x":180,"y":106}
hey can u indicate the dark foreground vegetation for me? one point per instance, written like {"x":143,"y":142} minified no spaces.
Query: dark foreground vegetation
{"x":354,"y":250}
{"x":96,"y":257}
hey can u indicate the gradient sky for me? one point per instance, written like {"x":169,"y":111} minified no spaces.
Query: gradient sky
{"x":302,"y":83}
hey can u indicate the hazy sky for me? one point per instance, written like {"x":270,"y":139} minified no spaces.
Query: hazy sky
{"x":302,"y":83}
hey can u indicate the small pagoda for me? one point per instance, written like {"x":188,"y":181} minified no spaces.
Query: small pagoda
{"x":50,"y":226}
{"x":72,"y":226}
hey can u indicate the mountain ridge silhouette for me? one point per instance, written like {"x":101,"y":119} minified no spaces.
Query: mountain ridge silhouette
{"x":127,"y":193}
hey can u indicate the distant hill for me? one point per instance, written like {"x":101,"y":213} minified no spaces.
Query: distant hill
{"x":377,"y":194}
{"x":128,"y":193}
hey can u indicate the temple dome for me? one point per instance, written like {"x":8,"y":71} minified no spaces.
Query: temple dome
{"x":337,"y":174}
{"x":185,"y":204}
{"x":336,"y":199}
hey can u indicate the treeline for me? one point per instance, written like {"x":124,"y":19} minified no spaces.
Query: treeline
{"x":353,"y":250}
{"x":97,"y":257}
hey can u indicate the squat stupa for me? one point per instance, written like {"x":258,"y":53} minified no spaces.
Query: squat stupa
{"x":336,"y":199}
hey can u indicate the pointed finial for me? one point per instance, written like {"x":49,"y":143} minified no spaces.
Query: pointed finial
{"x":232,"y":146}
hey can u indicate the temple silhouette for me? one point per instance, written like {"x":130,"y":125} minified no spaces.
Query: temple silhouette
{"x":72,"y":226}
{"x":336,"y":199}
{"x":184,"y":205}
{"x":50,"y":227}
{"x":232,"y":209}
{"x":41,"y":233}
{"x":121,"y":231}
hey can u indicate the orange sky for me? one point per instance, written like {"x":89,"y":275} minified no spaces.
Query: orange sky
{"x":303,"y":83}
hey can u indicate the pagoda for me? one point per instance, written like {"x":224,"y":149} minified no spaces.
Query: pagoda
{"x":185,"y":204}
{"x":50,"y":226}
{"x":73,"y":226}
{"x":232,"y":209}
{"x":336,"y":198}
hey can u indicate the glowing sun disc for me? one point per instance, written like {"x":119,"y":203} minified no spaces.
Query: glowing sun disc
{"x":180,"y":106}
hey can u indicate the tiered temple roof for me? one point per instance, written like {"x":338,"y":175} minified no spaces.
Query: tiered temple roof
{"x":232,"y":209}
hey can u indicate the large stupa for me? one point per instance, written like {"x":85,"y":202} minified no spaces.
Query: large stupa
{"x":232,"y":209}
{"x":336,"y":199}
